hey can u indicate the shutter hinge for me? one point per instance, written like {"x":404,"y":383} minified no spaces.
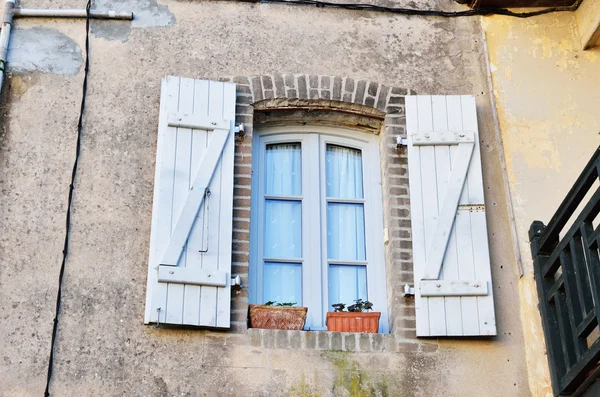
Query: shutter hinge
{"x":239,"y":129}
{"x":401,"y":141}
{"x":238,"y":132}
{"x":236,"y":281}
{"x":408,"y":290}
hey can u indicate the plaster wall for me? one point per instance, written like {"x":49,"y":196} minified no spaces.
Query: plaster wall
{"x":546,"y":91}
{"x":103,"y":347}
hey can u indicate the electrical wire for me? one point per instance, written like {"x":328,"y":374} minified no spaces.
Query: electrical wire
{"x":70,"y":199}
{"x":413,"y":11}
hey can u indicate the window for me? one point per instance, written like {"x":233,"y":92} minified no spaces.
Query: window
{"x":317,"y":221}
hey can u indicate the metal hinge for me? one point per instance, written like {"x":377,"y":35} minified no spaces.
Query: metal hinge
{"x":401,"y":141}
{"x":408,"y":290}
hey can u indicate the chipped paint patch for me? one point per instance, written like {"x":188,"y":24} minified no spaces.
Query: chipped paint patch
{"x":45,"y":50}
{"x":146,"y":14}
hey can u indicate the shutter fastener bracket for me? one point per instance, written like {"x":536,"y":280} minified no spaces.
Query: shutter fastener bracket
{"x":401,"y":141}
{"x":236,"y":283}
{"x":239,"y":131}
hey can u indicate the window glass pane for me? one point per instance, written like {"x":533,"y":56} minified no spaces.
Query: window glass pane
{"x":345,"y":231}
{"x":283,"y":229}
{"x":344,"y":172}
{"x":283,"y":169}
{"x":283,"y":283}
{"x":347,"y":284}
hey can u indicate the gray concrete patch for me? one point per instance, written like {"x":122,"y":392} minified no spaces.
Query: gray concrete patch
{"x":45,"y":50}
{"x":147,"y":14}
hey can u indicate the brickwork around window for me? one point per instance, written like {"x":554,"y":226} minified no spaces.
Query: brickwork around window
{"x":364,"y":97}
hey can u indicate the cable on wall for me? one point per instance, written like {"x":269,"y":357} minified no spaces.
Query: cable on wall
{"x":412,"y":11}
{"x":70,"y":199}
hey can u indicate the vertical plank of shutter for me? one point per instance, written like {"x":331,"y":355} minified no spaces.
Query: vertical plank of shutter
{"x":444,"y":163}
{"x":150,"y":314}
{"x":197,"y":239}
{"x":208,"y":294}
{"x":431,"y":204}
{"x":416,"y":214}
{"x":487,"y":322}
{"x":226,"y":212}
{"x":166,"y":146}
{"x":462,"y":229}
{"x":181,"y":187}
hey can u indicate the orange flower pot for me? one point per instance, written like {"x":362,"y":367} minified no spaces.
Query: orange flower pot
{"x":353,"y":321}
{"x":277,"y":317}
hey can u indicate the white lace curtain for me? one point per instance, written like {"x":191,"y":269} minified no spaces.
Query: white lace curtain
{"x":283,"y":223}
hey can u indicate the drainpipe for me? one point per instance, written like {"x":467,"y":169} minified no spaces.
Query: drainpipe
{"x":11,"y":12}
{"x":7,"y":19}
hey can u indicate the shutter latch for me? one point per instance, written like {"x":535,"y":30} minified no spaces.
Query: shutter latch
{"x":157,"y":325}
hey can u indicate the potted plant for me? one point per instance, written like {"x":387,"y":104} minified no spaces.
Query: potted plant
{"x":357,"y":318}
{"x":273,"y":315}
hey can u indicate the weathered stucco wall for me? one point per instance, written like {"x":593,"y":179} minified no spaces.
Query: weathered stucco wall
{"x":103,"y":348}
{"x":546,"y":92}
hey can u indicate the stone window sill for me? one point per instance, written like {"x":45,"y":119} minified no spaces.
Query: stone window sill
{"x":325,"y":340}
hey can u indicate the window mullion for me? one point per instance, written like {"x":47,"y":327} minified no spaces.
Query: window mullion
{"x":312,"y":263}
{"x":322,"y":197}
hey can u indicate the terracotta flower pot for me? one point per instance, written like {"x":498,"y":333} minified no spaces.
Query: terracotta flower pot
{"x":277,"y":317}
{"x":353,"y":321}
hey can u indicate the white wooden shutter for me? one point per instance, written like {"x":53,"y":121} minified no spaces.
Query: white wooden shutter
{"x":189,"y":270}
{"x":453,"y":284}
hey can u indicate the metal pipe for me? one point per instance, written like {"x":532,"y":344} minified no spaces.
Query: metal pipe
{"x":42,"y":13}
{"x":7,"y":19}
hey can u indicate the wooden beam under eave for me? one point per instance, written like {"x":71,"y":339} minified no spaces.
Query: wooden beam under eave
{"x":592,"y":38}
{"x":588,"y":19}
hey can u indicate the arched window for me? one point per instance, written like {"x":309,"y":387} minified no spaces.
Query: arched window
{"x":317,"y":219}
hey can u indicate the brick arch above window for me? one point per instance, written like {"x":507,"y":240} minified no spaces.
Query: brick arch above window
{"x":345,"y":94}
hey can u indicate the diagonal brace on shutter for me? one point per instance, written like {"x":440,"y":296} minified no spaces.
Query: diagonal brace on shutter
{"x":195,"y":197}
{"x":194,"y":121}
{"x":447,"y":214}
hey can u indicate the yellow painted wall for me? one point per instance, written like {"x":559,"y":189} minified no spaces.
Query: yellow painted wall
{"x":547,"y":94}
